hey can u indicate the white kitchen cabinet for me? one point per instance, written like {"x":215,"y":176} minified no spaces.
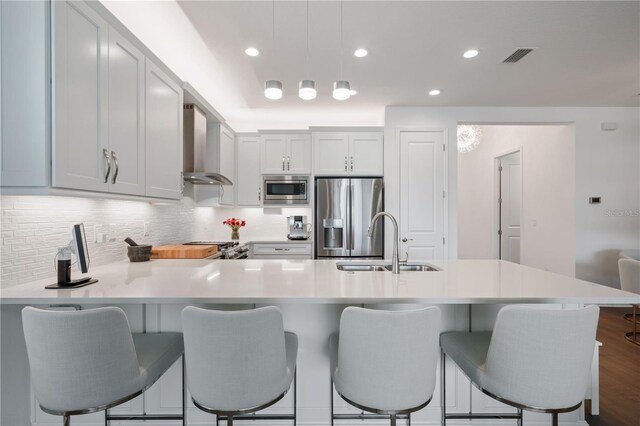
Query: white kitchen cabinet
{"x":366,"y":154}
{"x":80,"y":103}
{"x":284,"y":250}
{"x":348,"y":154}
{"x":126,"y":116}
{"x":24,"y":97}
{"x":248,"y":184}
{"x":227,"y":164}
{"x":163,"y":134}
{"x":286,"y":154}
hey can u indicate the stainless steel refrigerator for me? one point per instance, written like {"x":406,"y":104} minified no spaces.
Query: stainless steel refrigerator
{"x":343,"y":211}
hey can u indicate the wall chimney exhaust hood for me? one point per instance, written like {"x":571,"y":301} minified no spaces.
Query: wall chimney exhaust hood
{"x":195,"y":150}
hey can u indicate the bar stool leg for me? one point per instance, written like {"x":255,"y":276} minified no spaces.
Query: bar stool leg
{"x":106,"y":417}
{"x":184,"y":392}
{"x":295,"y":397}
{"x":331,"y":397}
{"x":554,"y":419}
{"x":229,"y":420}
{"x":66,"y":421}
{"x":393,"y":420}
{"x":443,"y":389}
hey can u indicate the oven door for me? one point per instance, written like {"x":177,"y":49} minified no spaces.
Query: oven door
{"x":286,"y":190}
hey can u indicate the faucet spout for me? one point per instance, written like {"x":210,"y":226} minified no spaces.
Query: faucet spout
{"x":395,"y":261}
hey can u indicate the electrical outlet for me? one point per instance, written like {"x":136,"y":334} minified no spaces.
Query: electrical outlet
{"x":112,"y":232}
{"x":146,"y":229}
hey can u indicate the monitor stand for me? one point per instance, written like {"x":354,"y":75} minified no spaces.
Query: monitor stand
{"x":64,"y":277}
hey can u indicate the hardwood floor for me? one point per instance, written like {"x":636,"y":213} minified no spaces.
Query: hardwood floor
{"x":619,"y":372}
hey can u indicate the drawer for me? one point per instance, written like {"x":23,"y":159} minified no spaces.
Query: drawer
{"x":281,"y":249}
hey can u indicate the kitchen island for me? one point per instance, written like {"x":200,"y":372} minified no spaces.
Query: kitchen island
{"x":311,"y":295}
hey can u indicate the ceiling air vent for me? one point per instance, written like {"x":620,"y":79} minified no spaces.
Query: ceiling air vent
{"x":517,"y":55}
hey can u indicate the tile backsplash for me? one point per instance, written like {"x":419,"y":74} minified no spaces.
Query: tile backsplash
{"x":33,"y":227}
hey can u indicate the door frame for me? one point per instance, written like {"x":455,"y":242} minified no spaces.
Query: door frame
{"x":445,"y":171}
{"x":496,"y":194}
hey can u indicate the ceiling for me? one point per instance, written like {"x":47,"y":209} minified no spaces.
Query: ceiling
{"x":587,"y":54}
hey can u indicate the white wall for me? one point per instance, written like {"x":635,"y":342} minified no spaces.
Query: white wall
{"x":33,"y":227}
{"x":548,"y":203}
{"x":607,"y":165}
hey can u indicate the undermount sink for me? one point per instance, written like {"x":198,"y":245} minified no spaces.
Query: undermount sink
{"x":363,"y":267}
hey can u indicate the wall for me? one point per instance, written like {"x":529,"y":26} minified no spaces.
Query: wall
{"x":607,"y":165}
{"x":548,"y":204}
{"x":33,"y":227}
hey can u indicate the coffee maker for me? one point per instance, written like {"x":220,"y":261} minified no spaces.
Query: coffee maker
{"x":298,"y":228}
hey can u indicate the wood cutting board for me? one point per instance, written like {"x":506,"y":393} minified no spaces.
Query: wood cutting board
{"x":180,"y":251}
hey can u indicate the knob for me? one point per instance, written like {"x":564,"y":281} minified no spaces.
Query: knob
{"x":405,"y":239}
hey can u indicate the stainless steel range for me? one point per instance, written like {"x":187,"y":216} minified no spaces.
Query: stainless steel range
{"x":231,"y":250}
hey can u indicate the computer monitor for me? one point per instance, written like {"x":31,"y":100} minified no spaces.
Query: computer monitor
{"x":80,"y":247}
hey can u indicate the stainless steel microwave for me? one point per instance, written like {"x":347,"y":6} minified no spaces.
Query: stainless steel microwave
{"x":285,"y":189}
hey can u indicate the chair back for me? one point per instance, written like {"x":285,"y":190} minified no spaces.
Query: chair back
{"x":387,"y":359}
{"x":629,"y":275}
{"x":236,"y":361}
{"x":80,"y":360}
{"x":541,"y":358}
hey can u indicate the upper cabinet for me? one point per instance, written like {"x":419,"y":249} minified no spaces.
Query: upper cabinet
{"x":81,"y":155}
{"x":348,"y":154}
{"x":164,"y":119}
{"x":24,"y":96}
{"x":248,"y":181}
{"x":286,"y":154}
{"x":227,"y":163}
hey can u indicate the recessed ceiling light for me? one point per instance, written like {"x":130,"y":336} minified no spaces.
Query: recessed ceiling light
{"x":353,"y":92}
{"x":360,"y":53}
{"x":252,"y":51}
{"x":434,"y":92}
{"x":470,"y":54}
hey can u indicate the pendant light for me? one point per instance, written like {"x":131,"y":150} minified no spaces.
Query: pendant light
{"x":341,"y":88}
{"x":273,"y":88}
{"x":307,"y":88}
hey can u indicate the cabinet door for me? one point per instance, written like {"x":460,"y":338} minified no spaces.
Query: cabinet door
{"x":227,"y":165}
{"x":163,"y":134}
{"x":274,"y":154}
{"x":80,"y":48}
{"x":24,"y":97}
{"x":126,"y":116}
{"x":366,"y":154}
{"x":330,"y":154}
{"x":299,"y":154}
{"x":248,"y":163}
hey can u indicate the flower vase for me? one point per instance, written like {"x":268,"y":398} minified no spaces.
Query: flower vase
{"x":235,"y":234}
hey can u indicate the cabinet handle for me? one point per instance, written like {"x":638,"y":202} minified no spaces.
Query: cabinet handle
{"x":259,"y":194}
{"x":283,"y":163}
{"x":115,"y":160}
{"x":288,"y":163}
{"x":345,"y":163}
{"x":352,"y":163}
{"x":282,"y":249}
{"x":105,"y":153}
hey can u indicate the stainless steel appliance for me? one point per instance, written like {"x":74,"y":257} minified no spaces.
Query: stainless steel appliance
{"x":231,"y":250}
{"x":285,"y":189}
{"x":298,"y":228}
{"x":344,"y":208}
{"x":194,"y":151}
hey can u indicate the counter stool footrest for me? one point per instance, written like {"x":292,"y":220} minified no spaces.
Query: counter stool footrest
{"x":366,"y":416}
{"x":260,"y":417}
{"x":471,"y":416}
{"x":144,"y":417}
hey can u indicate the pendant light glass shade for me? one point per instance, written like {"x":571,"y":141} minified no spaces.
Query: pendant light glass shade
{"x":307,"y":90}
{"x":273,"y":89}
{"x":341,"y":90}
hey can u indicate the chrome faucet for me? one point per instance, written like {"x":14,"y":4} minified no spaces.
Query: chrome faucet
{"x":395,"y":262}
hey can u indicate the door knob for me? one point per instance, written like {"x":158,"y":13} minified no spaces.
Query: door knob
{"x":404,"y":240}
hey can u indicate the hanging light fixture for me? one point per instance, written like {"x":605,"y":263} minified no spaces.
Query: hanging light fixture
{"x":307,"y":88}
{"x":469,"y":137}
{"x":273,"y":88}
{"x":341,"y":88}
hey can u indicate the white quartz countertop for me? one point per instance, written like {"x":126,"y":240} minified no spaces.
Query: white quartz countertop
{"x":317,"y":281}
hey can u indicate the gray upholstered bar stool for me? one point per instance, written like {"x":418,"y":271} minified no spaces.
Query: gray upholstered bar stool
{"x":630,"y":281}
{"x":536,"y":359}
{"x":239,"y":362}
{"x":87,"y":361}
{"x":384,"y":362}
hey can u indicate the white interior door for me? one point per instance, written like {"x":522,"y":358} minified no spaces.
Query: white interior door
{"x":422,"y":161}
{"x":510,"y":206}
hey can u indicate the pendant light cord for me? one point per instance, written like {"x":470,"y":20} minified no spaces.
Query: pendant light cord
{"x":307,"y":57}
{"x":341,"y":37}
